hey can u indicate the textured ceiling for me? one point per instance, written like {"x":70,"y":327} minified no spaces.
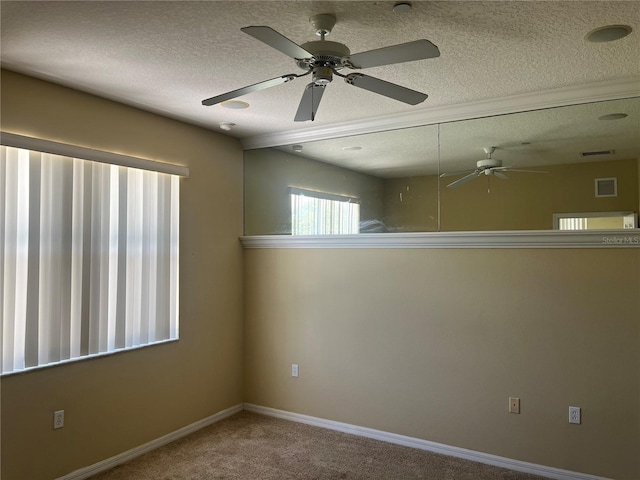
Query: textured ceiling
{"x":168,"y":56}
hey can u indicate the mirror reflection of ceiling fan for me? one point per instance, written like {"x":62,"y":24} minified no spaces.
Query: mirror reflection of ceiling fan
{"x":491,"y":167}
{"x":323,"y":59}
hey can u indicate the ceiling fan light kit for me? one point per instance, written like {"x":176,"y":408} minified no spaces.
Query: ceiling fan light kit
{"x":322,"y":59}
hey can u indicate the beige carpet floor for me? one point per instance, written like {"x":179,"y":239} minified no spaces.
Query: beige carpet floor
{"x":248,"y":446}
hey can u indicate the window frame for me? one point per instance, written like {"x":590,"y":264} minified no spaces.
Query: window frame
{"x":72,"y":151}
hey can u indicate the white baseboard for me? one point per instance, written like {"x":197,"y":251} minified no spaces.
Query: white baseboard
{"x":123,"y":457}
{"x":480,"y":457}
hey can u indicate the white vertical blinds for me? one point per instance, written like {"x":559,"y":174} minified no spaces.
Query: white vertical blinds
{"x":577,"y":223}
{"x":315,"y":213}
{"x":89,"y":257}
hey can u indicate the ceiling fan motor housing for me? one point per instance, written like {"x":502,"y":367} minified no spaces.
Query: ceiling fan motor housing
{"x":488,"y":163}
{"x":325,"y":54}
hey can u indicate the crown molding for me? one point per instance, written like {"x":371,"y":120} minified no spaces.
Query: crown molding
{"x":559,"y":97}
{"x":506,"y":239}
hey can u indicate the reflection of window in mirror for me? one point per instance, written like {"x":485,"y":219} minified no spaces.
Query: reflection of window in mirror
{"x":595,"y":221}
{"x":321,"y":213}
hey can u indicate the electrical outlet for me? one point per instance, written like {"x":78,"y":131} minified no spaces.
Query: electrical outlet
{"x":294,"y":369}
{"x":58,"y":419}
{"x":514,"y":405}
{"x":574,"y":415}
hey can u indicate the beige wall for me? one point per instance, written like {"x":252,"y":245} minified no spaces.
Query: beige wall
{"x":270,"y":172}
{"x":118,"y":402}
{"x":430,"y":343}
{"x":427,"y":343}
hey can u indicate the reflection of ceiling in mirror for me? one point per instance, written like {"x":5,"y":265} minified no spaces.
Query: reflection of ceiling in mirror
{"x":544,"y":137}
{"x":536,"y":138}
{"x":395,"y":153}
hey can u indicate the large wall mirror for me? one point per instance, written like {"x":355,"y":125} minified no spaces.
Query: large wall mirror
{"x":521,"y":171}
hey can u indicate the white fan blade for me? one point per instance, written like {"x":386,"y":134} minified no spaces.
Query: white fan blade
{"x":309,"y":104}
{"x":278,"y":41}
{"x":501,"y":175}
{"x":508,"y":169}
{"x":391,"y":90}
{"x":404,"y":52}
{"x":451,"y":174}
{"x":464,"y":179}
{"x":251,"y":88}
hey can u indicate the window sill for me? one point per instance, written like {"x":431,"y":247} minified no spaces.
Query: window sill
{"x":88,"y":357}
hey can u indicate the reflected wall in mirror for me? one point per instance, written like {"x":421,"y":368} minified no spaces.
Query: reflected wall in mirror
{"x":395,"y":176}
{"x":391,"y":176}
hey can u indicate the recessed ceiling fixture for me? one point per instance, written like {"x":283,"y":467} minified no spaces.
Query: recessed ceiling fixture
{"x":608,"y":33}
{"x":296,"y":148}
{"x":613,"y":116}
{"x":402,"y":7}
{"x":352,"y":149}
{"x":235,"y":104}
{"x":227,"y":125}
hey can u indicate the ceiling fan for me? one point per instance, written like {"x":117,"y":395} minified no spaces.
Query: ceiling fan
{"x":322,"y":59}
{"x":488,"y":166}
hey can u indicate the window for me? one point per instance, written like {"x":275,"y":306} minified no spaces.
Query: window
{"x":595,"y":221}
{"x":319,"y":213}
{"x":89,"y":255}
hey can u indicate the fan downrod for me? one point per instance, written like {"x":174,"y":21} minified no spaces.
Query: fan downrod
{"x":489,"y":150}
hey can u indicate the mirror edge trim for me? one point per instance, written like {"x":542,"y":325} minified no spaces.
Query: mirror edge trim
{"x":493,"y":239}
